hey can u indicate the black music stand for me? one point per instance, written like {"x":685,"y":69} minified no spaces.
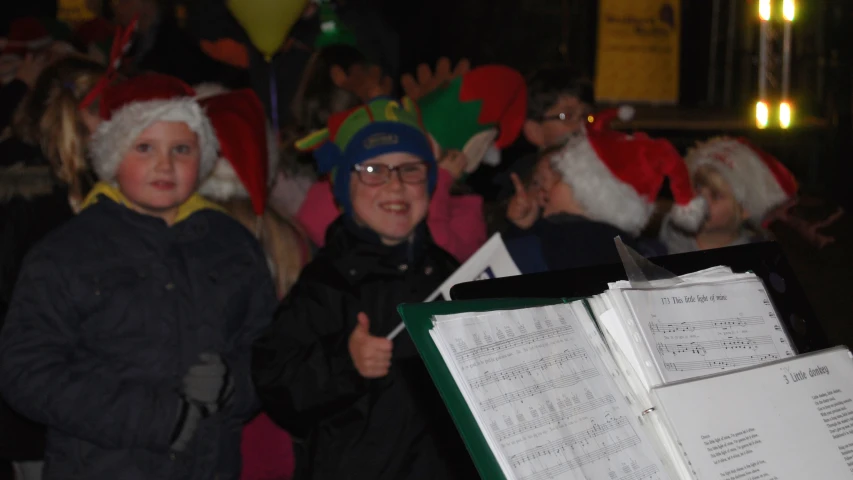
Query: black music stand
{"x":764,"y":259}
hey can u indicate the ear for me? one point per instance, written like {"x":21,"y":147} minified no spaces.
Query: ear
{"x":533,"y":133}
{"x":339,"y":76}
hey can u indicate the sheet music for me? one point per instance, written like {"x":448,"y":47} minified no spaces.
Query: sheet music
{"x":544,"y":400}
{"x":707,"y":328}
{"x":789,"y":420}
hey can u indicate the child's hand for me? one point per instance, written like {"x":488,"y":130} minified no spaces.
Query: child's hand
{"x":371,"y":355}
{"x":454,"y":162}
{"x":522,"y":209}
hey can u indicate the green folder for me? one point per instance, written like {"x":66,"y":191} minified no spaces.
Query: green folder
{"x":418,"y":319}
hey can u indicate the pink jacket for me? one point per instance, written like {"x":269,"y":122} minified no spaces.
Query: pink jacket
{"x":455,"y":222}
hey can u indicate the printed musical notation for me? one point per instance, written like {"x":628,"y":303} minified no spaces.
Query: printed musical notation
{"x":539,"y":394}
{"x":528,"y":368}
{"x":515,"y":342}
{"x":722,"y":364}
{"x":555,"y":418}
{"x":690,"y":339}
{"x":724,"y":323}
{"x":646,"y":473}
{"x":701,"y":348}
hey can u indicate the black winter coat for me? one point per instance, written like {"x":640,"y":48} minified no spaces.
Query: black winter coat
{"x":31,"y":205}
{"x":393,"y":428}
{"x":109,"y":312}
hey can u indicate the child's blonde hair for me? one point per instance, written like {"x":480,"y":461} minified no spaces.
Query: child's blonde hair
{"x":285,"y":245}
{"x":49,"y":117}
{"x":710,"y":177}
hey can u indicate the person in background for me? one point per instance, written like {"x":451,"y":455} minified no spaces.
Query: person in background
{"x":161,"y":45}
{"x":129,"y":331}
{"x":41,"y":188}
{"x":559,"y":103}
{"x":559,"y":100}
{"x":364,"y":406}
{"x":239,"y":183}
{"x":600,"y":185}
{"x":741,"y":185}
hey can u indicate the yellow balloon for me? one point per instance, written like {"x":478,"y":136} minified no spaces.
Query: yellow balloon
{"x":267,"y":21}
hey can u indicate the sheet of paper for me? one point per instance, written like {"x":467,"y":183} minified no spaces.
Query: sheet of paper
{"x":492,"y":260}
{"x":702,"y":329}
{"x":790,"y":420}
{"x":543,"y":397}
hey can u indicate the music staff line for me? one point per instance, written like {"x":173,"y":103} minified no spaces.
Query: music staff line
{"x":518,"y":371}
{"x":722,"y":363}
{"x":704,"y":324}
{"x":585,"y":459}
{"x":514,"y":342}
{"x":558,"y":446}
{"x":701,"y":348}
{"x":553,"y":417}
{"x":644,"y":473}
{"x":561,"y":382}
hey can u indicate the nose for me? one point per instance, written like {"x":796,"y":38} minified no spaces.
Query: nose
{"x":165,"y":162}
{"x":395,"y":181}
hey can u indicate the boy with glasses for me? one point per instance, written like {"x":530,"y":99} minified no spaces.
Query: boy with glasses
{"x":324,"y":371}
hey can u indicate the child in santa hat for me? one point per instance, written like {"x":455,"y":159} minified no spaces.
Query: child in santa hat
{"x":600,"y":185}
{"x":324,"y":370}
{"x":741,"y":185}
{"x":128,"y":335}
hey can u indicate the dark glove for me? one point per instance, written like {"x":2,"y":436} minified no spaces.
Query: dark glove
{"x":189,"y":416}
{"x":209,"y":384}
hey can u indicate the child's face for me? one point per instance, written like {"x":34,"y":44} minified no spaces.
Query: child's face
{"x":394,"y":208}
{"x":160,"y":170}
{"x":724,"y":212}
{"x":544,"y":181}
{"x":565,"y":117}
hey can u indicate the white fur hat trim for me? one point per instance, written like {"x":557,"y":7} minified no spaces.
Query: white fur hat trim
{"x":603,"y":197}
{"x":115,"y":136}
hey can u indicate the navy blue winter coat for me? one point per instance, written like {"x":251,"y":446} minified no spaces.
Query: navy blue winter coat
{"x":109,"y":312}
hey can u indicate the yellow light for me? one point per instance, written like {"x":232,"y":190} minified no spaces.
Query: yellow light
{"x":764,"y":10}
{"x":762,"y":115}
{"x":590,"y":118}
{"x":785,"y":114}
{"x":789,"y":8}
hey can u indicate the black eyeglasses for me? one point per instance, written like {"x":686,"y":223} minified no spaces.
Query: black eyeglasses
{"x":562,"y":117}
{"x":379,"y":174}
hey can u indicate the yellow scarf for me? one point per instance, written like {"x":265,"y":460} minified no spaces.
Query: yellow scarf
{"x":193,"y":204}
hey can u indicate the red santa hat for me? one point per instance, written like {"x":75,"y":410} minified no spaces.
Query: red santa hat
{"x":616,"y":177}
{"x":26,"y":35}
{"x":248,"y":146}
{"x":130,"y":107}
{"x":758,"y":181}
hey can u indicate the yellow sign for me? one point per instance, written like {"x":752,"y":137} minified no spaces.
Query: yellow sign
{"x":638,"y":51}
{"x":74,"y":12}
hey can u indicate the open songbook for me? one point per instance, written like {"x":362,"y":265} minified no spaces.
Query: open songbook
{"x":686,"y":381}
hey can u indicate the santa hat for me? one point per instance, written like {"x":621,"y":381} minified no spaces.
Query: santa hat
{"x":616,"y":177}
{"x":131,"y":106}
{"x":26,"y":35}
{"x":477,"y":112}
{"x":248,"y":146}
{"x":758,"y":181}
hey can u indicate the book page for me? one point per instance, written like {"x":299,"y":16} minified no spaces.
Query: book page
{"x":788,"y":420}
{"x":543,"y":398}
{"x":707,"y":328}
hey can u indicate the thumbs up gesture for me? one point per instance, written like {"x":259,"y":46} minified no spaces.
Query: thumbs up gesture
{"x":371,"y":355}
{"x":522,"y":209}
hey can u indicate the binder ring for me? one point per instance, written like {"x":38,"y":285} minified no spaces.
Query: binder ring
{"x":648,"y":410}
